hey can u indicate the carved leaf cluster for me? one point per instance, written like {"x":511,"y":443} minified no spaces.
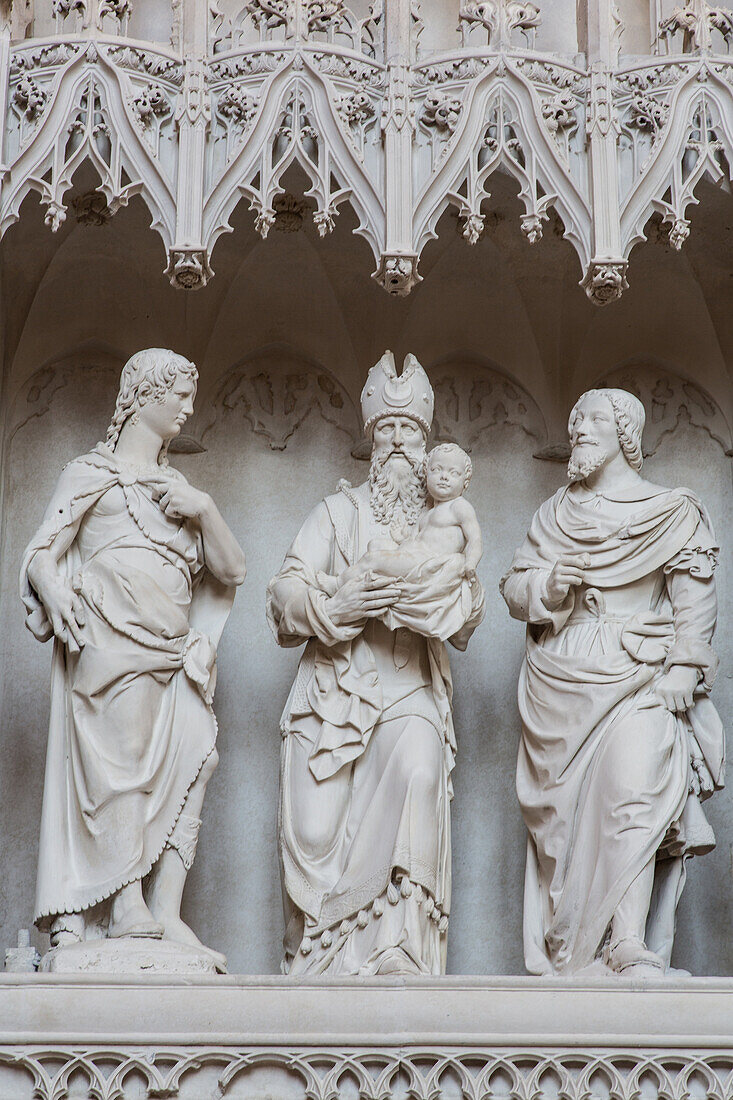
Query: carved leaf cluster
{"x":338,"y":91}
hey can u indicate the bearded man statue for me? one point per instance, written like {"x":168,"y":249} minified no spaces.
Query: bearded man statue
{"x":620,"y":743}
{"x":368,"y":744}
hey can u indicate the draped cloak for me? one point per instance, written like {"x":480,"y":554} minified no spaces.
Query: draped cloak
{"x":131,"y":720}
{"x":605,"y":772}
{"x":368,"y":749}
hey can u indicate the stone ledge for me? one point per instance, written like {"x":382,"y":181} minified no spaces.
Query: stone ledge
{"x":203,"y":1038}
{"x":463,"y":1011}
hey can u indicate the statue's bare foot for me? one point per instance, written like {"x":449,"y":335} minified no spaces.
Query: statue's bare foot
{"x":66,"y":929}
{"x":130,"y":916}
{"x":178,"y":931}
{"x":136,"y":923}
{"x":631,"y":957}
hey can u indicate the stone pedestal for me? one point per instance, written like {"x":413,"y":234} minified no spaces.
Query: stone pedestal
{"x":130,"y":956}
{"x":198,"y":1038}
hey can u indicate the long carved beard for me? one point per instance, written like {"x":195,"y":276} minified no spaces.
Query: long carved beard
{"x":397,"y":491}
{"x":585,"y":459}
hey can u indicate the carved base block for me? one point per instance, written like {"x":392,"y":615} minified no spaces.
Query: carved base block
{"x":234,"y":1038}
{"x":128,"y":956}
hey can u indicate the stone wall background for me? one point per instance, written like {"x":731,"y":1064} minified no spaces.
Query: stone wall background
{"x":283,"y":337}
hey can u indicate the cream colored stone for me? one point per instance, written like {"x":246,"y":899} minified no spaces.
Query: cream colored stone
{"x":378,"y":578}
{"x":130,"y":956}
{"x":282,"y":332}
{"x":620,"y":743}
{"x":132,"y":574}
{"x":201,"y":1037}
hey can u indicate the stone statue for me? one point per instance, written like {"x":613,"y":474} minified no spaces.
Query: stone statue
{"x":377,"y":578}
{"x":620,"y":743}
{"x":133,"y":573}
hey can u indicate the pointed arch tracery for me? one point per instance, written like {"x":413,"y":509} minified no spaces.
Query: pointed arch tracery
{"x":94,"y":113}
{"x":500,"y":128}
{"x":299,"y":118}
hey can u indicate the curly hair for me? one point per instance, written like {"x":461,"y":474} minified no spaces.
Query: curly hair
{"x":147,"y":376}
{"x":630,"y":418}
{"x":450,"y":449}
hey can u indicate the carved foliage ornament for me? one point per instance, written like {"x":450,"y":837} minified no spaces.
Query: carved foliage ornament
{"x":96,"y":10}
{"x":269,"y":14}
{"x":648,"y":113}
{"x":358,"y":111}
{"x":696,"y":20}
{"x":441,"y":112}
{"x":64,"y":8}
{"x":671,"y":401}
{"x":559,"y":112}
{"x":29,"y":98}
{"x":276,"y":393}
{"x":237,"y":106}
{"x":473,"y":399}
{"x":145,"y":61}
{"x":290,"y":213}
{"x":320,"y":15}
{"x":91,"y":209}
{"x":356,"y":107}
{"x":500,"y":18}
{"x":150,"y":102}
{"x":324,"y":14}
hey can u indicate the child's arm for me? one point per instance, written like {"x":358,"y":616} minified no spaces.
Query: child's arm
{"x":474,"y":548}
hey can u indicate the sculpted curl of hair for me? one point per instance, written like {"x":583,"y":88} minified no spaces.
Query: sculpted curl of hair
{"x":454,"y":449}
{"x":147,"y":376}
{"x":630,"y":418}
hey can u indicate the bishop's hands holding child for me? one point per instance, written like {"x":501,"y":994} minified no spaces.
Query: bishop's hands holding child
{"x":420,"y":576}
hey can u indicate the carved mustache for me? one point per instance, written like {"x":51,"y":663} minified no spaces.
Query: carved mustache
{"x":381,"y":460}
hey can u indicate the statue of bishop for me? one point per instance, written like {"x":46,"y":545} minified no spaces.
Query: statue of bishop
{"x":375,"y":590}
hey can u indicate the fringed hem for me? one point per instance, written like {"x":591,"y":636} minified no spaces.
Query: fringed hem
{"x":332,"y":938}
{"x":44,"y":919}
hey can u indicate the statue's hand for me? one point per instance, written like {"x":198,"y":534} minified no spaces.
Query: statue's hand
{"x":178,"y":499}
{"x":63,"y":606}
{"x":361,"y":597}
{"x":566,"y":573}
{"x":676,"y":688}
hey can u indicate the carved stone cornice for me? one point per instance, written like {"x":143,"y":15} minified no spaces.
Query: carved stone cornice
{"x":469,"y":1037}
{"x":396,"y":136}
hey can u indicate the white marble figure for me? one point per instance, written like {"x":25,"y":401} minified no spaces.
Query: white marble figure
{"x":620,"y":743}
{"x":132,"y":572}
{"x":437,"y":560}
{"x":368,"y":744}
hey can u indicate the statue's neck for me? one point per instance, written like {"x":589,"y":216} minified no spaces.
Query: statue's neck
{"x":615,"y":477}
{"x":138,"y":444}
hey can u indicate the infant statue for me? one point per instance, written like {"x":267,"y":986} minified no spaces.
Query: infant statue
{"x":443,"y":554}
{"x":451,"y":526}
